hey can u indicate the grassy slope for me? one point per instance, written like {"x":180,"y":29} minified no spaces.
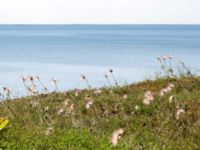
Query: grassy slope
{"x":151,"y":127}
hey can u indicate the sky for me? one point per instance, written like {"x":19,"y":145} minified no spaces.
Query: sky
{"x":99,"y":11}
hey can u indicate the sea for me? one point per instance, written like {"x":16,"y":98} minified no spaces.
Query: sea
{"x":65,"y":52}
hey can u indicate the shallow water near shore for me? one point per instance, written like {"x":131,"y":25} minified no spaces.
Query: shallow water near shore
{"x":66,"y":51}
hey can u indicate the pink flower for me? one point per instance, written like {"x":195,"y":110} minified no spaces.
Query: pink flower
{"x":146,"y":101}
{"x":116,"y":135}
{"x":179,"y":112}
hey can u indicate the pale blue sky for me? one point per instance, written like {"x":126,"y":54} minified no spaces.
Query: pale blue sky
{"x":99,"y":11}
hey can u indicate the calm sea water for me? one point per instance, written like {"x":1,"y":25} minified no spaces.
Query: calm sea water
{"x":66,"y":51}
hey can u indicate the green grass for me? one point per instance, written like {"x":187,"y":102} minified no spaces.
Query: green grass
{"x":150,"y":127}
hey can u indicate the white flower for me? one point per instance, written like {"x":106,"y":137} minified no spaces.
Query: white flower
{"x":179,"y":112}
{"x":171,"y":85}
{"x":66,"y":102}
{"x":46,"y":109}
{"x":49,"y":131}
{"x":96,"y":92}
{"x":125,"y":96}
{"x":116,"y":136}
{"x":60,"y":111}
{"x":7,"y":90}
{"x":167,"y":57}
{"x":137,"y":107}
{"x":71,"y":108}
{"x":54,"y":81}
{"x":163,"y":92}
{"x":34,"y":104}
{"x":89,"y":104}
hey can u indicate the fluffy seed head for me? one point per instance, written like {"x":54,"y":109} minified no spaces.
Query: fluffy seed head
{"x":179,"y":112}
{"x":116,"y":135}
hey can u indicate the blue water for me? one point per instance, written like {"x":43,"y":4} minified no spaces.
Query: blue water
{"x":66,"y":51}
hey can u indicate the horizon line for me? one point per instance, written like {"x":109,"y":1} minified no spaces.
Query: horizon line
{"x":98,"y":24}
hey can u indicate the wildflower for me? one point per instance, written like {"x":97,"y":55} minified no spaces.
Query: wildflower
{"x":163,"y":92}
{"x":182,"y":63}
{"x":24,"y":78}
{"x":171,"y":98}
{"x":158,"y":59}
{"x":88,"y":105}
{"x":71,"y":107}
{"x":46,"y":109}
{"x":77,"y":92}
{"x":49,"y":131}
{"x":146,"y":101}
{"x":179,"y":112}
{"x":125,"y":96}
{"x":66,"y":103}
{"x":106,"y":76}
{"x":7,"y":89}
{"x":37,"y":77}
{"x":137,"y":107}
{"x":34,"y":104}
{"x":166,"y":89}
{"x":96,"y":92}
{"x":110,"y":70}
{"x":30,"y":78}
{"x":167,"y":57}
{"x":39,"y":80}
{"x":171,"y":85}
{"x":60,"y":111}
{"x":148,"y":97}
{"x":54,"y":82}
{"x":83,"y":77}
{"x":113,"y":77}
{"x":32,"y":89}
{"x":116,"y":135}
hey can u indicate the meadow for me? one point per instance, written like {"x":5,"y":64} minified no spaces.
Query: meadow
{"x":162,"y":113}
